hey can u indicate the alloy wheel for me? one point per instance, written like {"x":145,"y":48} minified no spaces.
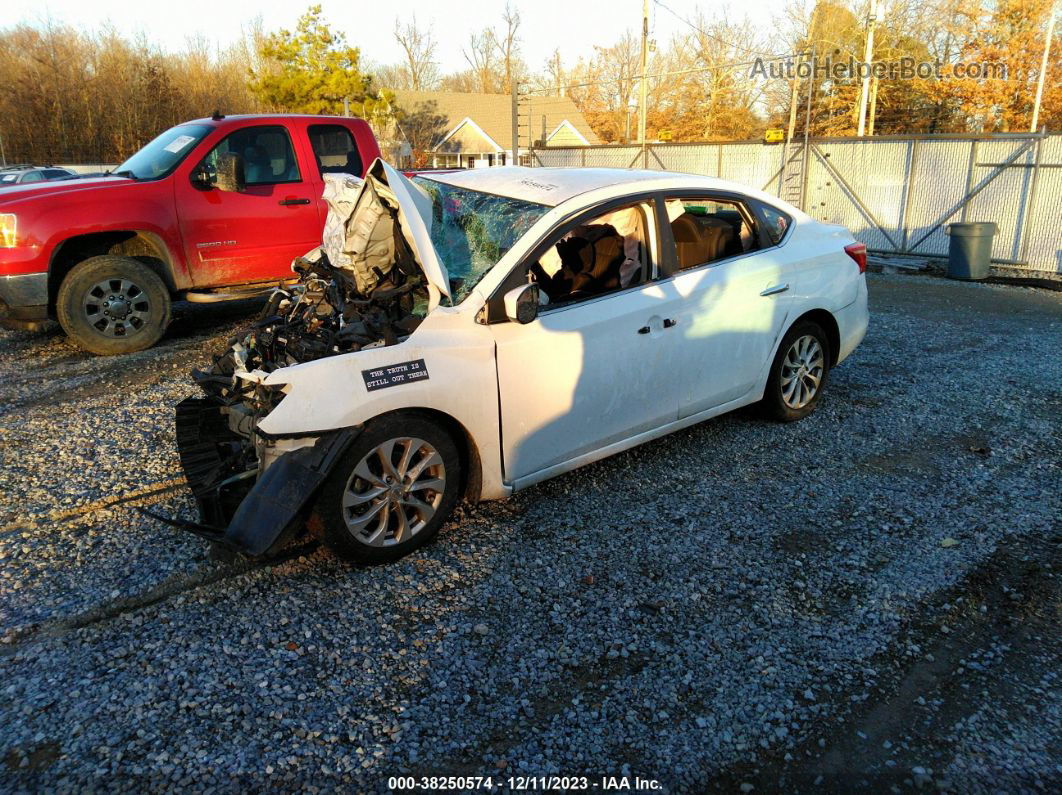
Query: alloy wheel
{"x":117,"y":307}
{"x":802,"y":370}
{"x":394,"y":491}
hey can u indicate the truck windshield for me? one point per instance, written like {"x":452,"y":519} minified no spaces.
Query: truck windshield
{"x":471,"y":231}
{"x":161,"y":156}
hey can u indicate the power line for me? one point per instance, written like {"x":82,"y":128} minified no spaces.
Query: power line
{"x":728,"y":65}
{"x":703,"y":32}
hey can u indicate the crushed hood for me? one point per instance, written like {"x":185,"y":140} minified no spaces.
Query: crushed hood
{"x":366,"y":229}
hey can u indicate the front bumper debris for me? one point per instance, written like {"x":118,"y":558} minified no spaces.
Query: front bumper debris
{"x":240,"y":508}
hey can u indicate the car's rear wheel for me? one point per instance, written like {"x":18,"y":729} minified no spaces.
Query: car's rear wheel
{"x":391,"y":492}
{"x":110,"y":305}
{"x":798,"y":373}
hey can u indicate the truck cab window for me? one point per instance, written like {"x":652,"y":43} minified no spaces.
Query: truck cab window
{"x":268,"y":158}
{"x":335,"y":150}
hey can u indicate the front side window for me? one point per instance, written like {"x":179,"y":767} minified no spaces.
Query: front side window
{"x":708,"y":230}
{"x":160,"y":157}
{"x":268,"y":158}
{"x":471,"y":230}
{"x":335,"y":150}
{"x":602,"y":255}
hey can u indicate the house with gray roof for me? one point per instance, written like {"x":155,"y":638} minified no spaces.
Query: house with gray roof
{"x":450,"y":129}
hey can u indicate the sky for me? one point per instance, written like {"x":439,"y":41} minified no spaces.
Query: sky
{"x":572,"y":25}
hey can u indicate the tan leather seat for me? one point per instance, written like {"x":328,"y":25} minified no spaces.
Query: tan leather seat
{"x":699,"y":240}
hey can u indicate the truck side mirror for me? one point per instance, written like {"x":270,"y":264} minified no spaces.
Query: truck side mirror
{"x":230,"y":174}
{"x":521,"y":303}
{"x":202,"y":176}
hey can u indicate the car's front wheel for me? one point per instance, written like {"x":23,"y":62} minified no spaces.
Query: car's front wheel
{"x":392,"y":490}
{"x":110,"y":304}
{"x":798,"y":373}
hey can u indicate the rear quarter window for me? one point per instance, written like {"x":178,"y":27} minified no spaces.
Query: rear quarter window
{"x":775,"y":222}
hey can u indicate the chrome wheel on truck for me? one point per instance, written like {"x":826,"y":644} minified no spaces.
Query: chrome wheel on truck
{"x":117,"y":307}
{"x":110,"y":304}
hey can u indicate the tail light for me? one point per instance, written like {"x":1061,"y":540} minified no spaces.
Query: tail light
{"x":858,"y":252}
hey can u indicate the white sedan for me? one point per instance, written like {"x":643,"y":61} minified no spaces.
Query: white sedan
{"x":476,"y":332}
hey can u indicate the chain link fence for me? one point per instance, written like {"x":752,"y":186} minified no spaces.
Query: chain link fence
{"x":897,"y":194}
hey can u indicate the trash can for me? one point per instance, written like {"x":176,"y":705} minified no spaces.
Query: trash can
{"x":970,"y":249}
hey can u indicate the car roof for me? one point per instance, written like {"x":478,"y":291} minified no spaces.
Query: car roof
{"x":239,"y":117}
{"x":553,"y":186}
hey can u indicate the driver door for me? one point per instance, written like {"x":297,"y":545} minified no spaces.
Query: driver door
{"x":233,"y":237}
{"x":588,"y":372}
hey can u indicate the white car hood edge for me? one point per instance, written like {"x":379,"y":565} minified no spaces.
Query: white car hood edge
{"x":414,"y":217}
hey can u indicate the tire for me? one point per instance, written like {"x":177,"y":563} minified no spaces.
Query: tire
{"x":792,"y":392}
{"x":355,"y":531}
{"x":109,"y":305}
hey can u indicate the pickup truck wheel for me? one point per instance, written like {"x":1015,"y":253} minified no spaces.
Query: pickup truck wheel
{"x":392,"y":490}
{"x":109,"y":305}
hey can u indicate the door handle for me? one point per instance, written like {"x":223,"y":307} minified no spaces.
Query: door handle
{"x":293,"y":201}
{"x":774,"y":290}
{"x":670,"y":322}
{"x":644,"y":330}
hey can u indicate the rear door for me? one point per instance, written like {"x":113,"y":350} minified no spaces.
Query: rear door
{"x":252,"y":235}
{"x":734,"y":284}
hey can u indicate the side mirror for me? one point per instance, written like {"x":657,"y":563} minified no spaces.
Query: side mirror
{"x":521,"y":303}
{"x":203,"y":177}
{"x":230,"y":174}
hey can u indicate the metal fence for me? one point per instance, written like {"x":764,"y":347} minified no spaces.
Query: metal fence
{"x":896,"y":193}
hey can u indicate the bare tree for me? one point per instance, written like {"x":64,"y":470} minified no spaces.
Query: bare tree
{"x":421,"y":70}
{"x":509,"y":46}
{"x":481,"y":56}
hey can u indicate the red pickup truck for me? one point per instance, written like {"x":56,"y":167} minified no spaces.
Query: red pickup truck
{"x":211,"y":209}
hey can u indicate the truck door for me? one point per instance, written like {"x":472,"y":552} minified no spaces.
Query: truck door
{"x":253,"y":234}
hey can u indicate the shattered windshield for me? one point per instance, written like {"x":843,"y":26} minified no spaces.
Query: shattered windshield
{"x":162,"y":155}
{"x":471,"y":231}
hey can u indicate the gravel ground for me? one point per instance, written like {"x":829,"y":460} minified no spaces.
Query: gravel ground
{"x":869,"y":597}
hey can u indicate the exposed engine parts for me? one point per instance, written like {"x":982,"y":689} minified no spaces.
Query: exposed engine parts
{"x":363,"y":288}
{"x":323,"y":315}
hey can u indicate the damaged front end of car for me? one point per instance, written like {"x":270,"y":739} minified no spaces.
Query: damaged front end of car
{"x":369,"y":285}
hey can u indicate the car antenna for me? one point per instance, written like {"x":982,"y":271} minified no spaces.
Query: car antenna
{"x":217,"y":115}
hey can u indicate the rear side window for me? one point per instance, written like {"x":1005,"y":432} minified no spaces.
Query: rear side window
{"x":32,"y":176}
{"x":709,"y":230}
{"x":334,"y":150}
{"x":776,"y":223}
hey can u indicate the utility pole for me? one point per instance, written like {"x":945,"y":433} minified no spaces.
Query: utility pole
{"x":515,"y":158}
{"x":641,"y":98}
{"x":868,"y":57}
{"x":1043,"y":70}
{"x":873,"y":105}
{"x":794,"y":91}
